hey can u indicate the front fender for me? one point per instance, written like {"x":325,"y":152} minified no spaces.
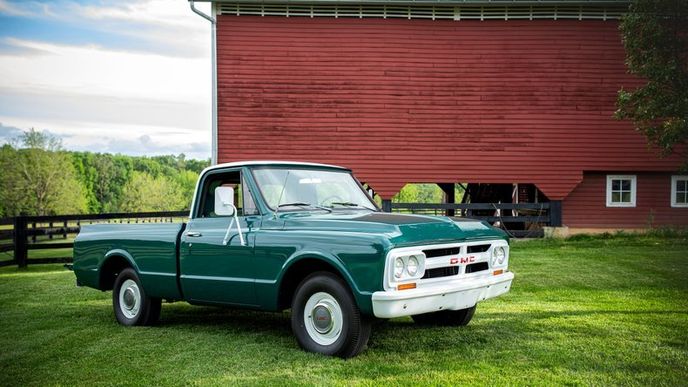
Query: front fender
{"x":363,"y":298}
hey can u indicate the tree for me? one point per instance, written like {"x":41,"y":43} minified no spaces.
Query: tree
{"x":419,"y":193}
{"x":186,"y":181}
{"x":147,"y":193}
{"x":655,"y":36}
{"x":39,"y":178}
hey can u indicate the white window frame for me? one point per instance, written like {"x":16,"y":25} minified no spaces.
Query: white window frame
{"x":674,"y":188}
{"x":634,"y":184}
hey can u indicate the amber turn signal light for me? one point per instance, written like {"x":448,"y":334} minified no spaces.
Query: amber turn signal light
{"x":406,"y":286}
{"x":498,"y":272}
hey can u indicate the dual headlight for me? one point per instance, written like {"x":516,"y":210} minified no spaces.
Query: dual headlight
{"x":408,"y":266}
{"x":498,"y":255}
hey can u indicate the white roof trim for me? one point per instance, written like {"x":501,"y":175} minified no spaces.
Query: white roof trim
{"x":268,"y":163}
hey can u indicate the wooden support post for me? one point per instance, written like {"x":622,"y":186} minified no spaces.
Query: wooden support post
{"x":555,"y":218}
{"x":21,"y":254}
{"x":449,"y":195}
{"x":50,"y":230}
{"x":64,"y":230}
{"x":386,"y":205}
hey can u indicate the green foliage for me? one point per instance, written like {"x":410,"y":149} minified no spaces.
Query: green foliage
{"x":425,"y":193}
{"x":40,"y":178}
{"x":419,"y":193}
{"x":655,"y":36}
{"x":618,"y":317}
{"x":145,"y":193}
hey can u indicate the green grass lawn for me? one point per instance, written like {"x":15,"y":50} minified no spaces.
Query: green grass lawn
{"x":586,"y":311}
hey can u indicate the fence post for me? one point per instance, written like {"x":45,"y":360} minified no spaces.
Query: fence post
{"x":450,"y":197}
{"x":20,"y":242}
{"x":386,"y":205}
{"x":555,"y":213}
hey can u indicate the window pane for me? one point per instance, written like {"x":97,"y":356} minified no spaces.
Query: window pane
{"x":616,"y":185}
{"x":681,"y":185}
{"x":626,"y":185}
{"x":615,"y":197}
{"x":682,"y":198}
{"x":626,"y":197}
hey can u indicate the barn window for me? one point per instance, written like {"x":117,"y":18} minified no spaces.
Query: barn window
{"x":679,"y":191}
{"x":621,"y":190}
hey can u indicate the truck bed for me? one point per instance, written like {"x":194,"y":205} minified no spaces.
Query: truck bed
{"x":151,"y":248}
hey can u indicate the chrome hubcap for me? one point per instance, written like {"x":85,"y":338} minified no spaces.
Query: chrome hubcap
{"x":129,"y":299}
{"x":323,"y":318}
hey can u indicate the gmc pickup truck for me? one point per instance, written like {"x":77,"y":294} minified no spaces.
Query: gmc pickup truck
{"x":273,"y":236}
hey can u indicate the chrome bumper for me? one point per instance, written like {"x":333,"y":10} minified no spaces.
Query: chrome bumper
{"x":457,"y":294}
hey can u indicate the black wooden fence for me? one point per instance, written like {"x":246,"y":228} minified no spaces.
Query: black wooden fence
{"x":21,"y":234}
{"x":528,"y":217}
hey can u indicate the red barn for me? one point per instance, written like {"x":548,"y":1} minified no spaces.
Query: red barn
{"x":514,"y":98}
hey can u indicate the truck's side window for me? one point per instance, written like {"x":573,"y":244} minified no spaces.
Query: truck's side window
{"x":227,"y":179}
{"x":212,"y":182}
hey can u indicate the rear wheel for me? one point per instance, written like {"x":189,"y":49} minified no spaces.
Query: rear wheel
{"x":132,"y":305}
{"x":325,"y":318}
{"x":446,"y":317}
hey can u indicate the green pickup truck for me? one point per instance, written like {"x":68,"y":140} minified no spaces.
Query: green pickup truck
{"x":273,"y":235}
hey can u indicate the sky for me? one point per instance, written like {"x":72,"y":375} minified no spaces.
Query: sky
{"x":108,"y":76}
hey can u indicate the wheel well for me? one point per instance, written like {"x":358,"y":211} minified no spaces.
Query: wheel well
{"x":109,"y":271}
{"x":295,"y":274}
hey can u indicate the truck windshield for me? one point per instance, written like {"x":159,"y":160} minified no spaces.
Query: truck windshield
{"x":303,"y":189}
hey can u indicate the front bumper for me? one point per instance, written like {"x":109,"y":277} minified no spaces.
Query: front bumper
{"x":457,"y":294}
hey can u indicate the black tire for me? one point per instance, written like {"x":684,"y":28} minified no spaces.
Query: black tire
{"x":148,"y":311}
{"x":446,"y":317}
{"x":355,"y":328}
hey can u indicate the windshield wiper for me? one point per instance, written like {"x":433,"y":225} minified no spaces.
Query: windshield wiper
{"x":302,"y":204}
{"x":350,"y":204}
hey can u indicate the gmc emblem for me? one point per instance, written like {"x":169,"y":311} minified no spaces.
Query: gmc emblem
{"x":469,"y":259}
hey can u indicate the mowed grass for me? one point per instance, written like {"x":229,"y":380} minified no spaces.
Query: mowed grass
{"x":586,"y":311}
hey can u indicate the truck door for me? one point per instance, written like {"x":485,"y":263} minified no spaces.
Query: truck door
{"x":214,"y":265}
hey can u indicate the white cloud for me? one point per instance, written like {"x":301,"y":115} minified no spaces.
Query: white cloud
{"x":105,"y":137}
{"x":109,"y":98}
{"x":94,"y":70}
{"x":26,"y":9}
{"x":163,"y":26}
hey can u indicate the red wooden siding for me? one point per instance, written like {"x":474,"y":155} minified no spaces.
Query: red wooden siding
{"x":586,"y":205}
{"x":403,"y":101}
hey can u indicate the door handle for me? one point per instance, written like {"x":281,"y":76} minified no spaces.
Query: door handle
{"x":193,"y":234}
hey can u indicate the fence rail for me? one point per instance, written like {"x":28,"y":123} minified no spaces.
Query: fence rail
{"x":37,"y":232}
{"x":529,"y":216}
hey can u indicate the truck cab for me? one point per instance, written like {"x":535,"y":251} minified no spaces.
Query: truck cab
{"x":270,"y":235}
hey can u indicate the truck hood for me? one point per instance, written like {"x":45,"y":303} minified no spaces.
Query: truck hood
{"x":399,"y":229}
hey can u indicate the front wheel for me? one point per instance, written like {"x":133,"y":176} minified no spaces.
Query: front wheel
{"x":132,"y":305}
{"x":325,"y":318}
{"x":446,"y":317}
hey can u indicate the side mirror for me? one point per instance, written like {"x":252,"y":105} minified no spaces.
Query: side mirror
{"x":224,"y":201}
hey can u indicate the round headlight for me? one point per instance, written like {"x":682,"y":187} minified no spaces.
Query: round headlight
{"x":498,"y":255}
{"x":412,"y":265}
{"x":398,"y":267}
